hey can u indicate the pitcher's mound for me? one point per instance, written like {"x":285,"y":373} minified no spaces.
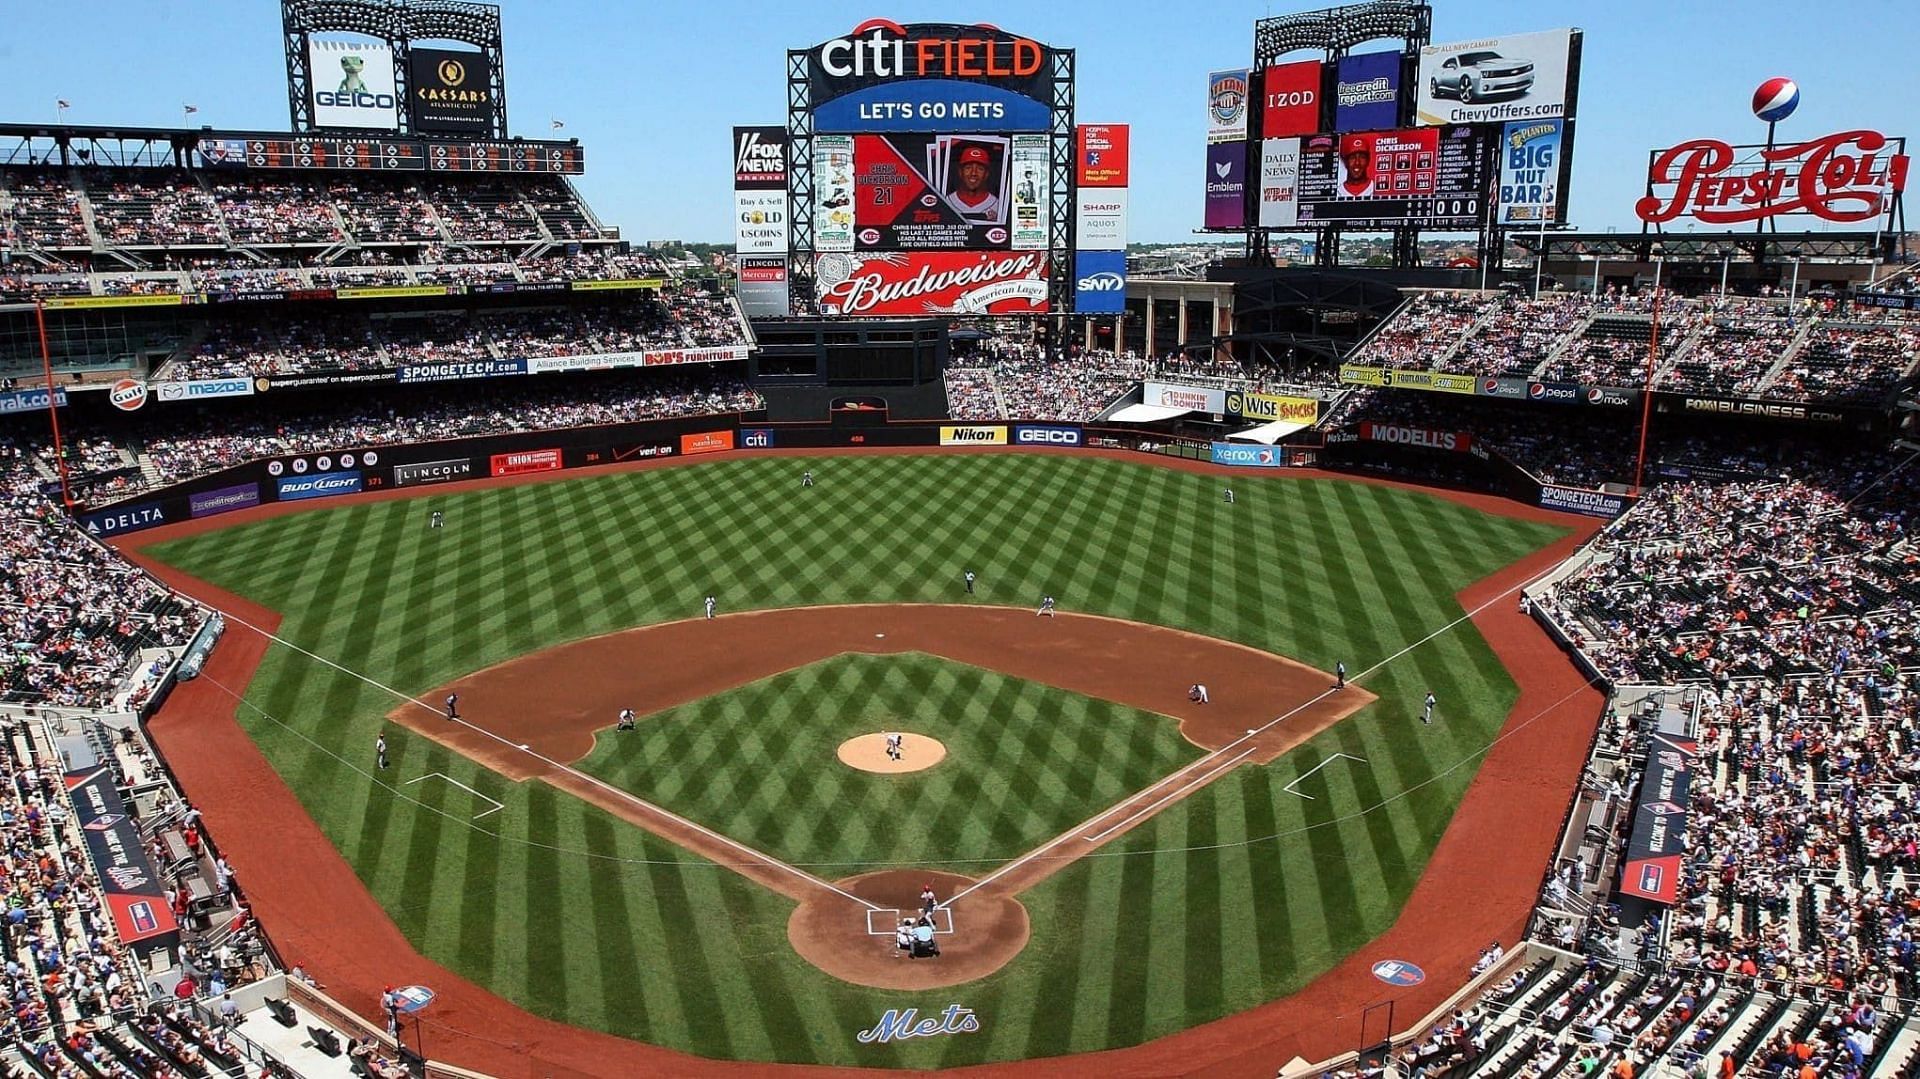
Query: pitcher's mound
{"x":868,"y":753}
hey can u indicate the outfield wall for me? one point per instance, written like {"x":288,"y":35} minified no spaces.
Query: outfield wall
{"x":1409,"y":453}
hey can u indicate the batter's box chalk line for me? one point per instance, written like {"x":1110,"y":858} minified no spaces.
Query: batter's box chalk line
{"x":882,"y":921}
{"x":497,"y":806}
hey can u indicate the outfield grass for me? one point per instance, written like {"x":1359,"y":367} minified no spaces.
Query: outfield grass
{"x":581,"y":917}
{"x":1024,"y":762}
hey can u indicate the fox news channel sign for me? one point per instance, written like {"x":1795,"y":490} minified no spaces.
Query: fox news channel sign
{"x":885,"y":76}
{"x":1498,"y":79}
{"x":351,"y":84}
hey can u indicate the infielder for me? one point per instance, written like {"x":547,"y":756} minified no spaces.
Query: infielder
{"x":1198,"y":693}
{"x":453,"y":706}
{"x":1340,"y":675}
{"x":626,"y":721}
{"x":380,"y":750}
{"x":709,"y":607}
{"x":1426,"y":714}
{"x":896,"y":746}
{"x":1046,"y":607}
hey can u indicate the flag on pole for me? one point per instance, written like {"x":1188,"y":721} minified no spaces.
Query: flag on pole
{"x":558,"y":124}
{"x":62,"y":103}
{"x":190,"y":109}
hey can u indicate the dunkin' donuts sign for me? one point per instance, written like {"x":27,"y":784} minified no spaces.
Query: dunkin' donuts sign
{"x":934,"y":283}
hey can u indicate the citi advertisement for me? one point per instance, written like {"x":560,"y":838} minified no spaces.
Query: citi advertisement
{"x":1496,"y":79}
{"x":1366,"y":92}
{"x":1045,"y":435}
{"x":450,"y":90}
{"x":934,"y":283}
{"x":1100,"y":218}
{"x":317,"y":485}
{"x":1248,"y":456}
{"x":1101,"y":153}
{"x":1227,"y":185}
{"x":1530,"y":156}
{"x":937,"y":192}
{"x":352,"y":85}
{"x":223,"y":500}
{"x":1100,"y":282}
{"x":1227,"y":106}
{"x":1290,"y":99}
{"x":524,"y":462}
{"x":1279,"y":183}
{"x":885,"y":76}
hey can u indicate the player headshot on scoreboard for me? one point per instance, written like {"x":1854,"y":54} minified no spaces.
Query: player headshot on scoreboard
{"x":976,"y":185}
{"x":1356,"y":161}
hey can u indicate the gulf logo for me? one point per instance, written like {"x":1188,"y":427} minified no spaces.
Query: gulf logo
{"x":1776,"y":99}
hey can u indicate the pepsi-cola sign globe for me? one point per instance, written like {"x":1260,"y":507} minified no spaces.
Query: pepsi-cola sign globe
{"x":1776,"y":99}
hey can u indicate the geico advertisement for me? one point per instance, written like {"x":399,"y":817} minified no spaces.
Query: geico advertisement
{"x":1038,"y":435}
{"x":973,"y":436}
{"x":352,"y":84}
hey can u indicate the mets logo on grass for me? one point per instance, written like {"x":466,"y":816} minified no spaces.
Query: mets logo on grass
{"x":899,"y":1024}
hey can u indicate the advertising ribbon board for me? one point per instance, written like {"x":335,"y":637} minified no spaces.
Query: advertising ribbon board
{"x":522,"y":462}
{"x":1193,"y":398}
{"x":317,"y":485}
{"x":1651,"y":868}
{"x":30,"y":400}
{"x":133,"y":891}
{"x":1270,"y":408}
{"x":972,"y":435}
{"x":1580,"y":500}
{"x":706,"y":442}
{"x":1424,"y":438}
{"x":223,"y":500}
{"x":1247,"y":456}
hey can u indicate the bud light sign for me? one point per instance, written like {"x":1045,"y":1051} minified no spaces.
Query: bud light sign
{"x":1100,"y":282}
{"x":318,"y":485}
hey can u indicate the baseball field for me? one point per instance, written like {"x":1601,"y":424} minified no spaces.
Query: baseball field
{"x":653,"y":884}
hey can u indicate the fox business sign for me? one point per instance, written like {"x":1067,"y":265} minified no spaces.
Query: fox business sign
{"x":352,"y":85}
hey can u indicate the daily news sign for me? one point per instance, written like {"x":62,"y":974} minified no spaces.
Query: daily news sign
{"x":1844,"y":177}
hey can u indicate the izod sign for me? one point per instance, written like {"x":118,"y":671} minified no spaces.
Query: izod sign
{"x":128,"y":394}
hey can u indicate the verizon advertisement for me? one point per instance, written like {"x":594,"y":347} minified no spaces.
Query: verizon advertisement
{"x":1290,"y":100}
{"x":1280,"y":183}
{"x":1101,"y":155}
{"x":933,"y":283}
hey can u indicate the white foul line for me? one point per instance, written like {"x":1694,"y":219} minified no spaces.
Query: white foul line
{"x":1154,"y":805}
{"x":754,"y":856}
{"x":497,"y":806}
{"x":1289,"y":787}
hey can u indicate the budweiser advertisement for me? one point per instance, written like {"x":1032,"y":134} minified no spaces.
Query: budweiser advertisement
{"x":1847,"y":176}
{"x":933,"y":283}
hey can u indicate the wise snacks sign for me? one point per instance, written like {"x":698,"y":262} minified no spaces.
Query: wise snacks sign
{"x":1844,"y":177}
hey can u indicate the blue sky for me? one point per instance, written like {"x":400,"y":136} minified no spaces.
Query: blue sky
{"x":652,"y":88}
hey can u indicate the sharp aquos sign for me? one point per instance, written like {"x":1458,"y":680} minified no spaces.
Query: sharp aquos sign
{"x":1848,"y":176}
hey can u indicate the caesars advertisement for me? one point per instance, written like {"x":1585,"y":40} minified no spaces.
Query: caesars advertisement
{"x":1497,"y":79}
{"x":352,"y":85}
{"x":450,"y":91}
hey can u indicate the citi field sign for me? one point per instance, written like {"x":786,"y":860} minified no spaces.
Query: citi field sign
{"x":883,"y":75}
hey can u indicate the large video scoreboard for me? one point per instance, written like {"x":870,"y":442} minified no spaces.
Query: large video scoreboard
{"x":1427,"y":177}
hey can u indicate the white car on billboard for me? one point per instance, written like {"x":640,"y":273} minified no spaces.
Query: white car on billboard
{"x":1498,"y":79}
{"x":1481,"y":75}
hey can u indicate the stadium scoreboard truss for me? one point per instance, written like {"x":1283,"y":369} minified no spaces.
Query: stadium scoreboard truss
{"x":399,"y":155}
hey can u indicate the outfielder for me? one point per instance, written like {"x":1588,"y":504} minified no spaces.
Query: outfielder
{"x":380,"y":750}
{"x":709,"y":606}
{"x":969,"y":578}
{"x":1426,"y":714}
{"x":1229,"y":496}
{"x":806,"y":478}
{"x":436,"y":520}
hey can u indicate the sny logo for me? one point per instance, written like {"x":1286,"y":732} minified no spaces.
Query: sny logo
{"x":1101,"y":282}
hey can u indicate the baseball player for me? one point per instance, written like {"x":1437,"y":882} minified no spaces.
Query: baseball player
{"x":1229,"y":496}
{"x":1197,"y":693}
{"x":1426,"y":714}
{"x":380,"y":750}
{"x":1340,"y":675}
{"x":437,"y":520}
{"x":896,"y":746}
{"x":453,"y":706}
{"x":806,"y":478}
{"x":969,"y":578}
{"x":710,"y":602}
{"x":626,"y":722}
{"x":1046,"y":607}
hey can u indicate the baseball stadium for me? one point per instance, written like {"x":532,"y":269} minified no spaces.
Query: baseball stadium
{"x":1403,"y":635}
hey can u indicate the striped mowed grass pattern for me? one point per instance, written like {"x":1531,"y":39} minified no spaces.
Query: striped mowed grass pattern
{"x":1024,"y":762}
{"x":578,"y":916}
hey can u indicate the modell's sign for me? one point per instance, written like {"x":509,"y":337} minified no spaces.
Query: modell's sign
{"x":1843,"y":177}
{"x":934,"y":283}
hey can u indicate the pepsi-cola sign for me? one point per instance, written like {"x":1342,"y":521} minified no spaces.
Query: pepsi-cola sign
{"x":1848,"y":176}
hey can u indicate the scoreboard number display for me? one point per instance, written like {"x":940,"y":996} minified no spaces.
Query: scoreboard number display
{"x":1429,"y":177}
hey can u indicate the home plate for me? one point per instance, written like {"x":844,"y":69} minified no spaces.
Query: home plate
{"x":879,"y":635}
